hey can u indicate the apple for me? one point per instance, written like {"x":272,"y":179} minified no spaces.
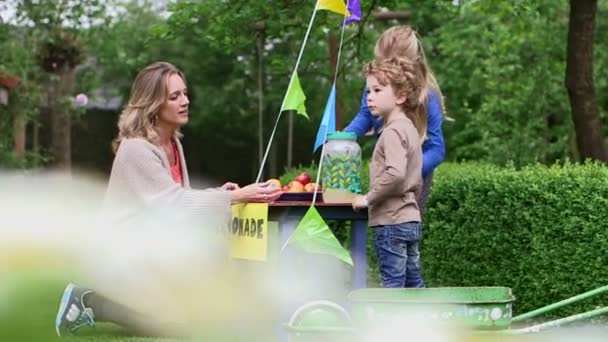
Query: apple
{"x":285,"y":188}
{"x":274,"y":183}
{"x":303,"y":178}
{"x":295,"y":186}
{"x":310,"y":187}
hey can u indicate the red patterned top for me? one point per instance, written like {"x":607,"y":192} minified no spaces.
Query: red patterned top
{"x":176,"y":170}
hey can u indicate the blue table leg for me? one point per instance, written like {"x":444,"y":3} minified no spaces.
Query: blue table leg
{"x":286,"y":228}
{"x":287,"y":225}
{"x":359,"y":253}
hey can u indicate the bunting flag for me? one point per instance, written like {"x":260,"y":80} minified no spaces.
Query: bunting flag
{"x":354,"y":7}
{"x":336,"y":6}
{"x":328,"y":122}
{"x":295,"y":98}
{"x":313,"y":235}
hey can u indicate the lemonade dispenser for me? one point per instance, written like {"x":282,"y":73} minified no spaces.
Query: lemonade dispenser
{"x":341,"y":172}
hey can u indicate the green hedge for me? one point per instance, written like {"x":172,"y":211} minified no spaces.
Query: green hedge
{"x":542,"y":231}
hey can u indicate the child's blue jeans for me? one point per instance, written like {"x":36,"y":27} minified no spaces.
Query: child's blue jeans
{"x":398,"y":254}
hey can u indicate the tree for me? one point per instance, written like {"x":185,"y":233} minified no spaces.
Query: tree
{"x":222,"y":64}
{"x":579,"y":80}
{"x":18,"y":60}
{"x":55,"y":32}
{"x":505,"y":89}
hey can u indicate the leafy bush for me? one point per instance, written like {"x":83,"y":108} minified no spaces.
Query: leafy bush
{"x":312,"y":170}
{"x":291,"y":173}
{"x":542,"y":231}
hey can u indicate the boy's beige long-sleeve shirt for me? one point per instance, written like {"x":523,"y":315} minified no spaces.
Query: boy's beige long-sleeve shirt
{"x":395,"y":175}
{"x":142,"y":190}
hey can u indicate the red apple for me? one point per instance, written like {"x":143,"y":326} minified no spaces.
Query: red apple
{"x":303,"y":178}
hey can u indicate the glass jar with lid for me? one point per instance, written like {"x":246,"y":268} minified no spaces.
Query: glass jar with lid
{"x":342,"y":162}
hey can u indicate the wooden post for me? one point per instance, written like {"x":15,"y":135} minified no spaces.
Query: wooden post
{"x":19,"y":136}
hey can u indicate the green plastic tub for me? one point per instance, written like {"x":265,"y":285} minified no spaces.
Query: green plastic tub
{"x":320,"y":321}
{"x":476,"y":307}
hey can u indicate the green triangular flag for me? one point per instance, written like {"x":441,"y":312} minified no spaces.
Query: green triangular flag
{"x":295,"y":98}
{"x":314,"y":236}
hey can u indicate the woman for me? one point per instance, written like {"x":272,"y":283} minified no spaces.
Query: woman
{"x":149,"y":183}
{"x":149,"y":169}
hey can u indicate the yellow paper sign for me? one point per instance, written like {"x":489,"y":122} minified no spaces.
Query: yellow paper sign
{"x":248,"y":230}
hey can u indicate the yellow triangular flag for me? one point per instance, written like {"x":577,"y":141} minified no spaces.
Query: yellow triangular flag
{"x":337,"y":6}
{"x":295,"y":98}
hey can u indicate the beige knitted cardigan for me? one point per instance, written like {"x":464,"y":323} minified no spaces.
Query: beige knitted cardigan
{"x":141,"y":189}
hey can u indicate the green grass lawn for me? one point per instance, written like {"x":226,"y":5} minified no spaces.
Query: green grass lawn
{"x":29,"y":300}
{"x":32,"y":283}
{"x":29,"y":303}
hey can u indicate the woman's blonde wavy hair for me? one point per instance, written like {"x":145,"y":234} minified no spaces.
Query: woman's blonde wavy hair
{"x":148,"y":93}
{"x":406,"y":79}
{"x":403,"y":42}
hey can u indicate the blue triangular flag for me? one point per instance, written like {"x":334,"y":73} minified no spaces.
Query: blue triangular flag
{"x":328,"y":123}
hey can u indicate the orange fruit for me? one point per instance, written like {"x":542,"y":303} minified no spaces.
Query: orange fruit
{"x":295,"y":186}
{"x":310,"y":187}
{"x":275,"y":183}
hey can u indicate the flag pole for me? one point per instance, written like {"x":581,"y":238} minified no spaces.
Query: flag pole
{"x":314,"y":197}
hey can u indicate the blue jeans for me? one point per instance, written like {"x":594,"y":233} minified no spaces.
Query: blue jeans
{"x":398,"y":254}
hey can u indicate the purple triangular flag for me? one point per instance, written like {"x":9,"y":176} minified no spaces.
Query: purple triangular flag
{"x":354,"y":8}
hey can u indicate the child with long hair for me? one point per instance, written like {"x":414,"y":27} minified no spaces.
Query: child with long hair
{"x":404,"y":42}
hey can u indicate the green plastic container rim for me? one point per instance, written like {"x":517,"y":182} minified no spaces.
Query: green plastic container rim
{"x":318,"y":329}
{"x":434,"y":295}
{"x":342,"y":136}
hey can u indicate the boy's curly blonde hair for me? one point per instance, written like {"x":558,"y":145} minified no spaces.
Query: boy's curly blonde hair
{"x":406,"y":79}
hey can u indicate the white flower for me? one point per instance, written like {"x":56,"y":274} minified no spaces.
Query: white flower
{"x":81,"y":100}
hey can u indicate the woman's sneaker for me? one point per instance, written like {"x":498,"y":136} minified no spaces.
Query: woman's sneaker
{"x":72,"y":314}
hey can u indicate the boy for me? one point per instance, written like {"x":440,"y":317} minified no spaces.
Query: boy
{"x":393,"y":88}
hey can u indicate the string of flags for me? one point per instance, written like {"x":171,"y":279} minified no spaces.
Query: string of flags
{"x":312,"y":233}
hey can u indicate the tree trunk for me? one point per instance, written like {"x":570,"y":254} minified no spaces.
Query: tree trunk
{"x":579,"y":80}
{"x":274,"y":157}
{"x":290,"y":138}
{"x":61,"y":121}
{"x":19,"y":135}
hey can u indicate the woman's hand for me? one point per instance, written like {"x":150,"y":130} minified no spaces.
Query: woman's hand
{"x":256,"y":192}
